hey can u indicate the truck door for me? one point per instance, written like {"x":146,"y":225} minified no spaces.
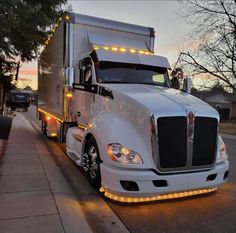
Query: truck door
{"x":86,"y":99}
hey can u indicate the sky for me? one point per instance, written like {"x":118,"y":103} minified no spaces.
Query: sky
{"x":171,"y":30}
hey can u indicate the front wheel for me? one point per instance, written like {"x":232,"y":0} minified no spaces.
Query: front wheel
{"x":91,"y":163}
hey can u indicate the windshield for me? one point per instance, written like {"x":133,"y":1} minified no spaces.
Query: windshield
{"x":110,"y":72}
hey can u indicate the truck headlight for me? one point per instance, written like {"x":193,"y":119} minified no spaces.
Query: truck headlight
{"x":223,"y":153}
{"x":122,"y":154}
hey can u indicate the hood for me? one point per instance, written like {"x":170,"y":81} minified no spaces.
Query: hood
{"x":163,"y":101}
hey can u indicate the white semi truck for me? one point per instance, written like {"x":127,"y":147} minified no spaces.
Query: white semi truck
{"x":108,"y":96}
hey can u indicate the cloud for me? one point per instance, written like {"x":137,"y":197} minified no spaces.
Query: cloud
{"x":32,"y":72}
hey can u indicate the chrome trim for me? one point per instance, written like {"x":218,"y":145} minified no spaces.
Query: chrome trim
{"x":154,"y":139}
{"x":190,"y":114}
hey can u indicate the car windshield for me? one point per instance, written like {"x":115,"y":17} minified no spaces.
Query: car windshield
{"x":110,"y":72}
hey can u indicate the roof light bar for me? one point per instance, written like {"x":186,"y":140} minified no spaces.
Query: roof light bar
{"x":158,"y":197}
{"x":123,"y":50}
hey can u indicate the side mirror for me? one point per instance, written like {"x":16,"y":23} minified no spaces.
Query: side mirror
{"x":103,"y":91}
{"x":187,"y":85}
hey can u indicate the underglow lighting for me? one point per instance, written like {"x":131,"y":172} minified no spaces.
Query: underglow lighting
{"x":156,"y":198}
{"x":50,"y":115}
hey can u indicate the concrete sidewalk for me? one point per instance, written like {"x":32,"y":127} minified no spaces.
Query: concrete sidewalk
{"x":28,"y":202}
{"x":35,"y":197}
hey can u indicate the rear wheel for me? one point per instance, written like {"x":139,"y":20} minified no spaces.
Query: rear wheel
{"x":92,"y":163}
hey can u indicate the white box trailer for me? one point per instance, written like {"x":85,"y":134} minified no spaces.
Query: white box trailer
{"x":109,"y":97}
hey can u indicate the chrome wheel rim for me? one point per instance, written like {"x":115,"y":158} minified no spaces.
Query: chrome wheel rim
{"x":93,"y":155}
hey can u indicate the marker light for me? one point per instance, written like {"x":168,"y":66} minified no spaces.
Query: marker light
{"x":114,"y":49}
{"x":123,"y":50}
{"x":96,"y":48}
{"x":67,"y":17}
{"x":122,"y":154}
{"x":53,"y":134}
{"x":48,"y":118}
{"x":69,"y":95}
{"x":106,"y":48}
{"x":132,"y":50}
{"x":141,"y":51}
{"x":157,"y":197}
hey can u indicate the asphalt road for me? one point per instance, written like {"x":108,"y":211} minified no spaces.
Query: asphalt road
{"x":212,"y":213}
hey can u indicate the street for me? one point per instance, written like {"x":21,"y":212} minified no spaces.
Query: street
{"x":206,"y":214}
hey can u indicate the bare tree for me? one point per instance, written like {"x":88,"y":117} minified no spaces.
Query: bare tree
{"x":177,"y":76}
{"x":213,"y":40}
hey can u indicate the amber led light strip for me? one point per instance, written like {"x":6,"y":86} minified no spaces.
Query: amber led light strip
{"x":156,"y":198}
{"x":66,"y":17}
{"x":48,"y":114}
{"x":123,"y":50}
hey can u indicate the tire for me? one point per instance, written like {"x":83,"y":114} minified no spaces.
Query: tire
{"x":93,"y":163}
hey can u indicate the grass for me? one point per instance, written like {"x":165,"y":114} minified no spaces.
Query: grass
{"x":228,"y":128}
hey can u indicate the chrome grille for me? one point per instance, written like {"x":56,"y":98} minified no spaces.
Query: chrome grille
{"x":178,"y":152}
